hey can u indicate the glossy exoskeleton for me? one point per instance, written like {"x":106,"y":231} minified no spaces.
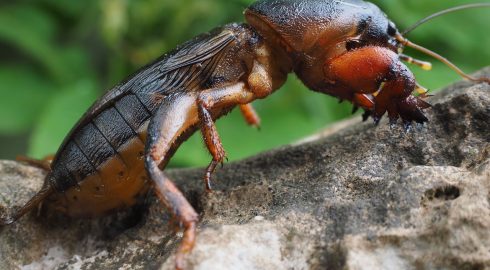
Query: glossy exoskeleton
{"x":348,"y":49}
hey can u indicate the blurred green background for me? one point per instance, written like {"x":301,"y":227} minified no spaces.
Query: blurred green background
{"x":57,"y":57}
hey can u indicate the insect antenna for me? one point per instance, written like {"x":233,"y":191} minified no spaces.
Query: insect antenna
{"x":412,"y":45}
{"x":425,"y":65}
{"x":443,"y":12}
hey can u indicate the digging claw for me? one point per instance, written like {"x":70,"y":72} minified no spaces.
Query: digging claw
{"x":410,"y":109}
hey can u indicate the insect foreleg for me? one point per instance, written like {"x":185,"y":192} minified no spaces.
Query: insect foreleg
{"x":378,"y":71}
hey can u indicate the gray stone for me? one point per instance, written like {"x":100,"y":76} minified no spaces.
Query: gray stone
{"x":356,"y":197}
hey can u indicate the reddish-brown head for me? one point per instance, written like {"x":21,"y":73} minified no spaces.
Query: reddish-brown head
{"x":316,"y":31}
{"x":348,"y":49}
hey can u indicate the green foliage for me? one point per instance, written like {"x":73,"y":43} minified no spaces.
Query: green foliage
{"x":58,"y":56}
{"x":22,"y":93}
{"x":62,"y":111}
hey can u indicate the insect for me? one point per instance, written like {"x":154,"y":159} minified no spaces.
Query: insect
{"x":117,"y":151}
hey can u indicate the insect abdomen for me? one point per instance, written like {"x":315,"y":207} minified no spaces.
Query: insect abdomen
{"x":102,"y":157}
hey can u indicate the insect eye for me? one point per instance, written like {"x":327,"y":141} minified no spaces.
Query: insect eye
{"x":353,"y":44}
{"x":391,"y":29}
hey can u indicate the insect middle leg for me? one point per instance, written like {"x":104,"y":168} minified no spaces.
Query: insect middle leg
{"x":212,"y":141}
{"x":218,"y":99}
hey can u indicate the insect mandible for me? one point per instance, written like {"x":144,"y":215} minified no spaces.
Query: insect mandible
{"x":117,"y":151}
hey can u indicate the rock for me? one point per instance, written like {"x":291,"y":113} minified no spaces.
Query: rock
{"x":360,"y":197}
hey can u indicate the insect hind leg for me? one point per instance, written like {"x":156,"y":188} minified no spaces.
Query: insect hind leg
{"x":180,"y":208}
{"x":164,"y":133}
{"x":44,"y":163}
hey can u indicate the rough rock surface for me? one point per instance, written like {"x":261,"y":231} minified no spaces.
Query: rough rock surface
{"x":364,"y":197}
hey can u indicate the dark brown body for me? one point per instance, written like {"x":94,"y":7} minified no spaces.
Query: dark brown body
{"x":100,"y":166}
{"x":117,"y":151}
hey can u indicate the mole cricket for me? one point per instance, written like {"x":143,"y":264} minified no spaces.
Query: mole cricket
{"x":117,"y":151}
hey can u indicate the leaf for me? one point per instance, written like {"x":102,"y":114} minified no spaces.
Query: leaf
{"x":61,"y":114}
{"x":23,"y":95}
